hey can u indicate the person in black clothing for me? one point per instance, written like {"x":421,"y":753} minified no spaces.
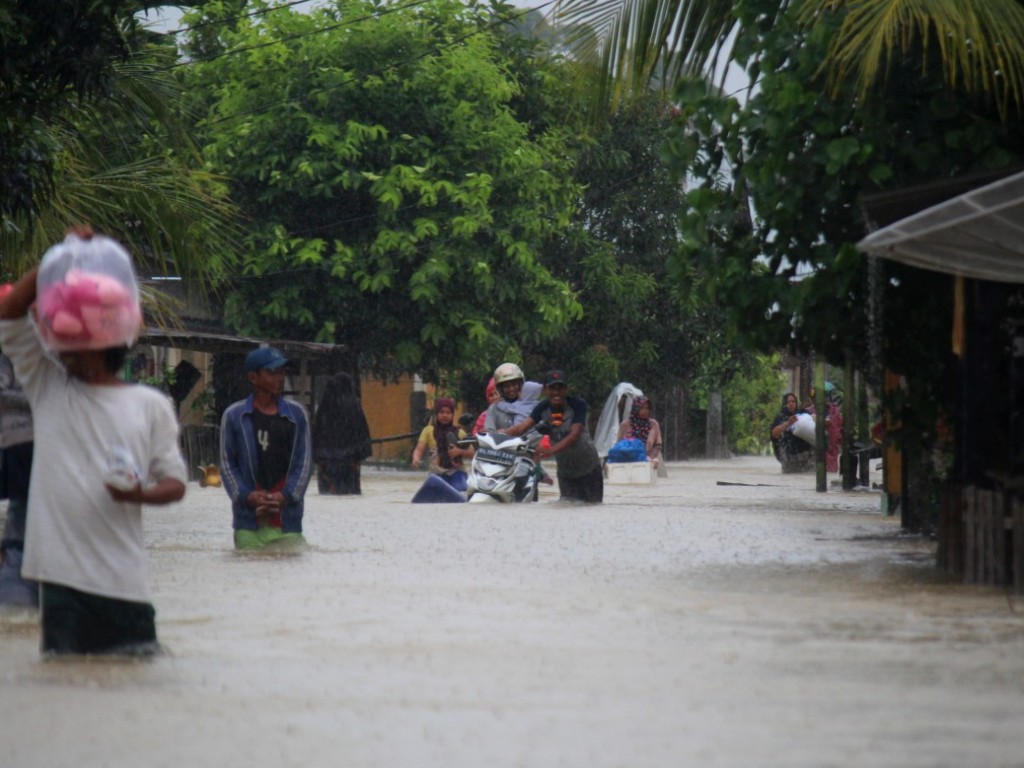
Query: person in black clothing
{"x":341,"y":437}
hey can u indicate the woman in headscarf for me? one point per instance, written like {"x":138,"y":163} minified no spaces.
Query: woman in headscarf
{"x":794,"y":454}
{"x":640,"y":426}
{"x":341,"y":437}
{"x":442,"y":438}
{"x":833,"y":423}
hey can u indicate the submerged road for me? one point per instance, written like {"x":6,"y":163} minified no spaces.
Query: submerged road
{"x":686,"y":623}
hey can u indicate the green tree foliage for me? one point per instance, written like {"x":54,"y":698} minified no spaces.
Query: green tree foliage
{"x":52,"y":53}
{"x":975,"y":47}
{"x":749,"y":403}
{"x":638,"y":325}
{"x":629,"y":45}
{"x":775,"y":207}
{"x":94,"y":132}
{"x":126,"y":164}
{"x":395,"y":203}
{"x":774,"y":210}
{"x":614,"y":256}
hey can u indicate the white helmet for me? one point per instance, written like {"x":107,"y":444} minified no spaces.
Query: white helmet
{"x":508,"y":372}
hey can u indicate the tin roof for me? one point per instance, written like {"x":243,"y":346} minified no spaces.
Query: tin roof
{"x":313,"y":357}
{"x":977,"y":234}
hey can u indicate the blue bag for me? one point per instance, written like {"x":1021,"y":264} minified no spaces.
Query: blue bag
{"x":629,"y":449}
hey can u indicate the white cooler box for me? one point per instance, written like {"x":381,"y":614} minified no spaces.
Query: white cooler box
{"x":630,"y":472}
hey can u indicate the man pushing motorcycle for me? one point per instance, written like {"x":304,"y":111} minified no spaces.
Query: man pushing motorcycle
{"x":580,"y":476}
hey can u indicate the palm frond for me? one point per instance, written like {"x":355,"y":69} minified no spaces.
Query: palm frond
{"x":127,"y":166}
{"x":980,"y":44}
{"x":633,"y":44}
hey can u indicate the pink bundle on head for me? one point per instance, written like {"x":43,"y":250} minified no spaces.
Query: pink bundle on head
{"x":87,"y":297}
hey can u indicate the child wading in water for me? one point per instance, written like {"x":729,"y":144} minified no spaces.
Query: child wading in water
{"x":103,"y":448}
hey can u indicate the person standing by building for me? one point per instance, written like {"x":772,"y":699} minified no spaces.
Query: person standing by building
{"x":341,"y":437}
{"x":266,"y":458}
{"x":102,"y":449}
{"x":580,"y":474}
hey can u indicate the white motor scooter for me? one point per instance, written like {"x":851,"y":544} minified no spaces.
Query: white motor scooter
{"x":503,"y":469}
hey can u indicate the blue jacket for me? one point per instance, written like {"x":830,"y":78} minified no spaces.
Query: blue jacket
{"x":239,"y":462}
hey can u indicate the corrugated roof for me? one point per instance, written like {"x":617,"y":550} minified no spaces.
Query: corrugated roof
{"x":217,"y":342}
{"x":979,"y":234}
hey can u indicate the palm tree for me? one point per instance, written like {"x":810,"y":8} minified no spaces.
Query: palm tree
{"x":126,"y":165}
{"x":633,"y":43}
{"x":95,"y":132}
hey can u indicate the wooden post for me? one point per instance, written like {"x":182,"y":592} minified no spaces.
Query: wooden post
{"x":714,"y":439}
{"x":942,"y":551}
{"x":864,"y":430}
{"x":970,"y":497}
{"x":1017,"y":521}
{"x":988,"y":552}
{"x":999,"y":502}
{"x":849,"y":464}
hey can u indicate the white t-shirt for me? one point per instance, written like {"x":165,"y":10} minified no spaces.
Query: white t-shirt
{"x":77,"y":535}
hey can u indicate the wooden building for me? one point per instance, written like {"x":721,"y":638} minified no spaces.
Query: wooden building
{"x":975,"y":236}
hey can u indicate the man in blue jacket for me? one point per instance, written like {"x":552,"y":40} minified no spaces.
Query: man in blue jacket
{"x":266,"y":457}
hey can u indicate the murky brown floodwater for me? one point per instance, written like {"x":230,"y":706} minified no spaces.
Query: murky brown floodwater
{"x":681,"y":624}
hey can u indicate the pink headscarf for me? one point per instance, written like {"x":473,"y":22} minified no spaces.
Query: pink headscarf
{"x":491,"y":389}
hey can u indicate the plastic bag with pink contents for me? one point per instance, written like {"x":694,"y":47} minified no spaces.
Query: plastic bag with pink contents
{"x":86,"y":295}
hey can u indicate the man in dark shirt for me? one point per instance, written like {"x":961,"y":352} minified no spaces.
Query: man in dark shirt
{"x":266,"y":457}
{"x":580,"y":476}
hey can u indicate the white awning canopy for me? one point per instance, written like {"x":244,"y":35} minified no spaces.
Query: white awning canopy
{"x":979,"y":234}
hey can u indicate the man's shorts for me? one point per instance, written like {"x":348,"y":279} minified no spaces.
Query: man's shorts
{"x":267,"y":538}
{"x":75,"y":622}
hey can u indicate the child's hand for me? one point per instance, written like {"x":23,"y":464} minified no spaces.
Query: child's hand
{"x":133,"y":494}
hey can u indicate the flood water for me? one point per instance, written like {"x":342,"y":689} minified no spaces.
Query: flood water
{"x":685,"y":623}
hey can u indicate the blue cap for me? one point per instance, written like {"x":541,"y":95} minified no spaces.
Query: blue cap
{"x":264,"y":357}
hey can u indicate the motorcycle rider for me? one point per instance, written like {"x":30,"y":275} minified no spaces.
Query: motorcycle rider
{"x":512,"y":407}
